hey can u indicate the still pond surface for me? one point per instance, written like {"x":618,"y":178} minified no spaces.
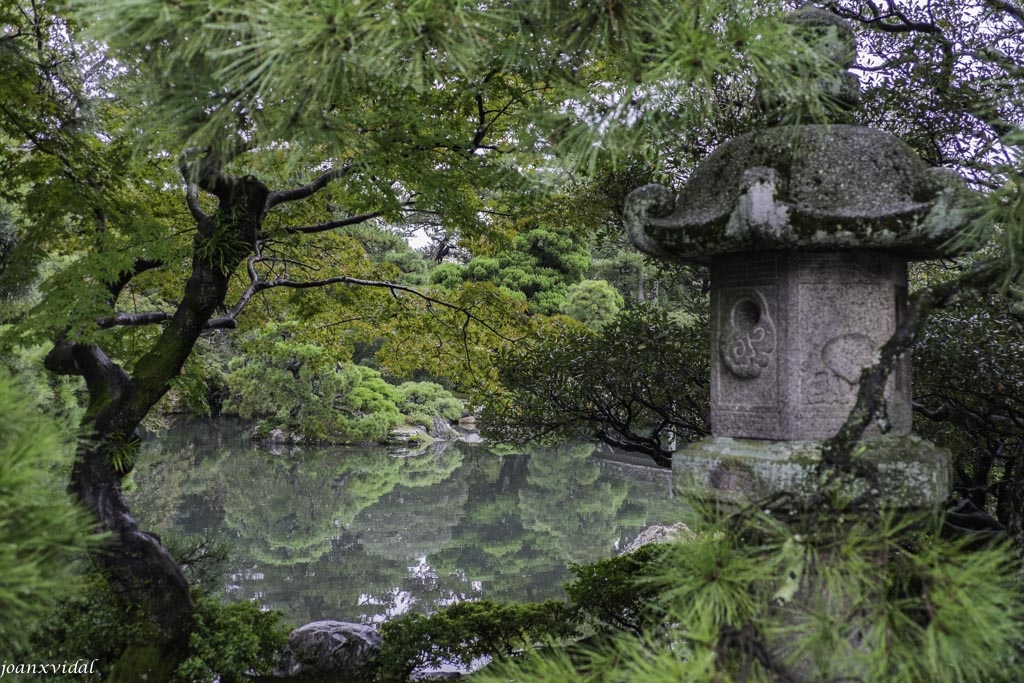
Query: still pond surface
{"x":364,"y":534}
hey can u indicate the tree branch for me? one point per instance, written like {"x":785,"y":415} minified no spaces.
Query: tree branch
{"x":881,"y":20}
{"x":837,"y":451}
{"x":204,"y":173}
{"x":393,"y":287}
{"x":1002,"y":5}
{"x":141,"y":265}
{"x":661,"y":457}
{"x":282,"y":196}
{"x":103,"y":377}
{"x":156,"y":317}
{"x":192,"y":200}
{"x":331,"y":225}
{"x":60,"y":360}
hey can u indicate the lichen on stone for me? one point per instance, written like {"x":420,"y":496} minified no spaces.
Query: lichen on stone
{"x":803,"y":188}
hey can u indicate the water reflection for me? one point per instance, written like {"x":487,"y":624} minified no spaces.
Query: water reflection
{"x":359,"y":534}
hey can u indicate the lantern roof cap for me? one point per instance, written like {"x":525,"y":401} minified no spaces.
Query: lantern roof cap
{"x":825,"y":187}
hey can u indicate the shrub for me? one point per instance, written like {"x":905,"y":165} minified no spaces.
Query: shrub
{"x":319,"y":399}
{"x":466,"y":631}
{"x":593,"y":302}
{"x":228,"y":640}
{"x":421,"y":402}
{"x":231,"y":642}
{"x":313,"y":396}
{"x":612,"y":594}
{"x":90,"y":624}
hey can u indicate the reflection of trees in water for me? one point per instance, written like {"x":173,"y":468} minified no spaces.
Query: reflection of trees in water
{"x":296,"y":507}
{"x":409,"y":523}
{"x":527,"y":516}
{"x":326,"y":530}
{"x":286,"y":508}
{"x":569,"y":508}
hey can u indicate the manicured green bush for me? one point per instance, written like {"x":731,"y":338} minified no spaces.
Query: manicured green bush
{"x":421,"y":402}
{"x":466,"y":631}
{"x":617,"y":593}
{"x":316,"y":398}
{"x":541,"y":265}
{"x":593,"y":302}
{"x":231,"y":642}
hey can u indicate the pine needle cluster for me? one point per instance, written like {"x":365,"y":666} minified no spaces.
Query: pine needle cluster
{"x":833,"y":595}
{"x":40,"y":533}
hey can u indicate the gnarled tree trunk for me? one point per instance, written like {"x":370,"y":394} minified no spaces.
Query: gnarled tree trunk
{"x":139,"y":566}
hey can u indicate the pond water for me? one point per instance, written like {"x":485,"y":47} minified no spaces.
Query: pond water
{"x":364,"y":534}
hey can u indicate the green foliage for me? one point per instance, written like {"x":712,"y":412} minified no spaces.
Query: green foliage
{"x":456,"y":104}
{"x":421,"y":402}
{"x":56,"y":398}
{"x":201,"y":387}
{"x":639,"y":384}
{"x":408,"y":88}
{"x":837,"y":595}
{"x":592,"y":302}
{"x":392,"y":249}
{"x":317,"y":398}
{"x":447,"y":275}
{"x":540,"y":265}
{"x":456,"y":340}
{"x":203,"y":559}
{"x":969,"y":398}
{"x":617,"y":593}
{"x":466,"y":631}
{"x":314,"y":396}
{"x":40,"y":529}
{"x":231,"y":642}
{"x":92,"y":621}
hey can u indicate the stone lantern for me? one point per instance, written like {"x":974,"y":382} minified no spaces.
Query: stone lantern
{"x":807,"y":230}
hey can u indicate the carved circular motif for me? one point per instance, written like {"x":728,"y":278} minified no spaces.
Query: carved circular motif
{"x":748,"y":338}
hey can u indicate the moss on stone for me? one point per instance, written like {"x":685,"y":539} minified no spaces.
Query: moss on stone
{"x":914,"y":472}
{"x":832,"y":187}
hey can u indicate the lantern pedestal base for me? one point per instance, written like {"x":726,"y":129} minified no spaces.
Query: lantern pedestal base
{"x":914,"y":473}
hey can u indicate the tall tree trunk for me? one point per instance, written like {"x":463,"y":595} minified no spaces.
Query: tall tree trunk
{"x":138,"y":565}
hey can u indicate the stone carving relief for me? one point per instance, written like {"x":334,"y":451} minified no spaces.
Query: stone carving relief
{"x":747,"y":339}
{"x":831,"y":375}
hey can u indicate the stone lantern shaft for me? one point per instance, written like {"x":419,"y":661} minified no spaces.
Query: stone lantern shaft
{"x":793,"y":331}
